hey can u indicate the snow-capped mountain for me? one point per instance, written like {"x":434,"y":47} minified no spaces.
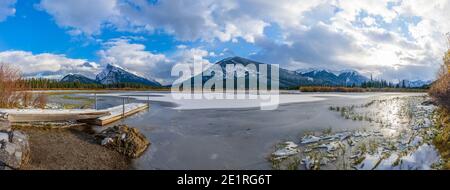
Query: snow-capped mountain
{"x":286,"y":78}
{"x":78,"y":78}
{"x":351,"y":77}
{"x":292,"y":79}
{"x":328,"y":77}
{"x":113,"y":74}
{"x":322,"y":77}
{"x":417,"y":83}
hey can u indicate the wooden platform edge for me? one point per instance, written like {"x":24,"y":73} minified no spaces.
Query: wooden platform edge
{"x":119,"y":117}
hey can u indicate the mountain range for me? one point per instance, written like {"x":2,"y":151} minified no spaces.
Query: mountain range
{"x":113,"y":74}
{"x":288,"y":78}
{"x":326,"y":77}
{"x":417,"y":83}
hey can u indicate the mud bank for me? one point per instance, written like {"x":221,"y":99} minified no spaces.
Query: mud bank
{"x":70,"y":149}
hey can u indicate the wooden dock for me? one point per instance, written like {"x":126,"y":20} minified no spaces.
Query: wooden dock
{"x":42,"y":115}
{"x":91,"y":116}
{"x":120,"y":112}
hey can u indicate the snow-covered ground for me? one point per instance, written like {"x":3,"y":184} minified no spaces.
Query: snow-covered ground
{"x":118,"y":110}
{"x":216,"y":100}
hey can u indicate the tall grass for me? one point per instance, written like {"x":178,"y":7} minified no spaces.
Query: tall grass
{"x":355,"y":89}
{"x":440,"y":90}
{"x":13,"y":90}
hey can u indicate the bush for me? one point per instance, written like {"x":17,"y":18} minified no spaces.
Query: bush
{"x":9,"y":84}
{"x":440,"y":90}
{"x":13,"y":90}
{"x":329,"y":89}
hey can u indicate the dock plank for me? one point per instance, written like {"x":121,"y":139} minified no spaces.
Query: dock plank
{"x":119,"y":112}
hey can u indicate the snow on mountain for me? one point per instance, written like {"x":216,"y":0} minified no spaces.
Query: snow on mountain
{"x":78,"y":78}
{"x":417,"y":83}
{"x":115,"y":74}
{"x":329,"y":77}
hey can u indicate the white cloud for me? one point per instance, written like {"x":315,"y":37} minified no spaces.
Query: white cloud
{"x":135,"y":57}
{"x":353,"y":38}
{"x":187,"y":20}
{"x":7,"y":9}
{"x":372,"y":35}
{"x":81,"y":15}
{"x":121,"y":52}
{"x":351,"y":9}
{"x":369,"y":21}
{"x":47,"y":65}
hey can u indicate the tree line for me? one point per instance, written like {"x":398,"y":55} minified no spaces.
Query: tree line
{"x":43,"y":83}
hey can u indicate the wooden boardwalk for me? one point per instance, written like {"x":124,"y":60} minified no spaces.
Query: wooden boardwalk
{"x":91,"y":116}
{"x":42,"y":115}
{"x":120,"y":112}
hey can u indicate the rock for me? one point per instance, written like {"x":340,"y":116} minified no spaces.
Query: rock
{"x":289,"y":148}
{"x":429,"y":103}
{"x":126,"y":140}
{"x":5,"y":125}
{"x":4,"y":137}
{"x":14,"y":150}
{"x":3,"y":116}
{"x":310,"y":139}
{"x":311,"y":163}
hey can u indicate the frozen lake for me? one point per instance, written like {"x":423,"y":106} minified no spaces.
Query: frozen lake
{"x":227,"y":134}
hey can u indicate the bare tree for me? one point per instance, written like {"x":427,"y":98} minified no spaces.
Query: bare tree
{"x":13,"y":90}
{"x":10,"y":78}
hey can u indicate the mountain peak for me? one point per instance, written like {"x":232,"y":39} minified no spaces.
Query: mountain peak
{"x":78,"y":78}
{"x":343,"y":77}
{"x":237,"y":60}
{"x":115,"y":74}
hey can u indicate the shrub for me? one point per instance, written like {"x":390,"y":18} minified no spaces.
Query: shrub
{"x":10,"y":83}
{"x":440,"y":90}
{"x":13,"y":90}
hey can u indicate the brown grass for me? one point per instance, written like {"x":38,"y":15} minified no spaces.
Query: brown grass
{"x":329,"y":89}
{"x":440,"y":91}
{"x":13,"y":90}
{"x":442,"y":139}
{"x":354,"y":89}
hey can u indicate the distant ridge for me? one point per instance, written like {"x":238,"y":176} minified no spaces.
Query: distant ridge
{"x":112,"y":74}
{"x":78,"y":78}
{"x":293,"y":79}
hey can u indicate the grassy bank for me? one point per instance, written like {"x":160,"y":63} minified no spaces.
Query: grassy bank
{"x":440,"y":92}
{"x":442,"y":139}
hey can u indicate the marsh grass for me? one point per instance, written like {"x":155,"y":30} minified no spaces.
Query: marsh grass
{"x":440,"y":92}
{"x":82,"y":102}
{"x":442,"y":138}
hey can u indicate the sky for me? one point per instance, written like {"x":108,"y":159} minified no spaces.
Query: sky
{"x":389,"y":39}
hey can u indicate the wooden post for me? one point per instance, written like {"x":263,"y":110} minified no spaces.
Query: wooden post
{"x":123,"y":107}
{"x":96,"y":101}
{"x":148,"y":101}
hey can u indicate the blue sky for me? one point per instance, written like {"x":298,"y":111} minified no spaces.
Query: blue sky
{"x":397,"y":39}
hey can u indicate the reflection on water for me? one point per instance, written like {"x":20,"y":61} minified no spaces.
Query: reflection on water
{"x":245,"y":138}
{"x":401,"y":138}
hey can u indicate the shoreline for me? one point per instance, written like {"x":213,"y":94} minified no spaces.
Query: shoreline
{"x":309,"y":89}
{"x":70,"y":149}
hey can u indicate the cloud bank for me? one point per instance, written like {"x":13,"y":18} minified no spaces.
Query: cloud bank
{"x":391,"y":39}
